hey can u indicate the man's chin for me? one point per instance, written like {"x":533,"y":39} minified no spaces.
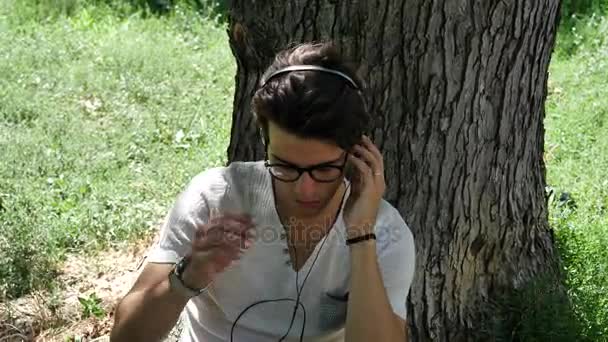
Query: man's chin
{"x":308,"y":210}
{"x":309,"y":205}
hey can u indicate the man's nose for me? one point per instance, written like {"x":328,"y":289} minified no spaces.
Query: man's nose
{"x":305,"y":185}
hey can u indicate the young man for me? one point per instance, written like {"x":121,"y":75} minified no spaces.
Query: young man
{"x":300,"y":246}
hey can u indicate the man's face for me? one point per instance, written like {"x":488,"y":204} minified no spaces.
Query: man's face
{"x":304,"y":197}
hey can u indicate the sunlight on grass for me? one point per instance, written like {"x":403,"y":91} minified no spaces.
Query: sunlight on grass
{"x":102,"y":122}
{"x":577,"y":164}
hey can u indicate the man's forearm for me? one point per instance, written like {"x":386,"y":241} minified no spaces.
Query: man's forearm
{"x":147,"y":315}
{"x":370,"y":316}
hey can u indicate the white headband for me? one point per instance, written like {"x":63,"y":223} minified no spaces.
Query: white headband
{"x":310,"y":68}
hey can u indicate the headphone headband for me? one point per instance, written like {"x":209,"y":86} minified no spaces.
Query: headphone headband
{"x":305,"y":67}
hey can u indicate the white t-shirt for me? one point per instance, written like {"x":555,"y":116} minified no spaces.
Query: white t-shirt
{"x":264,"y":272}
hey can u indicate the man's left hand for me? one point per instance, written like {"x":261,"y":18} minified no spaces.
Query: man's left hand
{"x":367,"y":188}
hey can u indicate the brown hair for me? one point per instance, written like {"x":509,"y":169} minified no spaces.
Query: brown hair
{"x":312,"y":104}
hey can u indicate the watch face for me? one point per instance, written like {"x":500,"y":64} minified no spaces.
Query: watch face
{"x":178,"y":269}
{"x":178,"y":285}
{"x":177,"y":282}
{"x":181,"y":266}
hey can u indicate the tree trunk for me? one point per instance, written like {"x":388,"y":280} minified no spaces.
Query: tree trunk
{"x":457,"y":89}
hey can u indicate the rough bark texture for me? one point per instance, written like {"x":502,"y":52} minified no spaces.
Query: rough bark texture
{"x":457,"y":89}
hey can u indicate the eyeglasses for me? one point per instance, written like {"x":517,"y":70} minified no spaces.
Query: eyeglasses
{"x":322,"y":173}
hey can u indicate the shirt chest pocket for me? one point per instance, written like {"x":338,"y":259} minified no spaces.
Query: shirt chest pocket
{"x":332,"y":311}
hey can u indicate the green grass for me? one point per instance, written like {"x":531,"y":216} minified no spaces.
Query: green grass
{"x":577,"y":163}
{"x":582,"y":34}
{"x":102,"y":121}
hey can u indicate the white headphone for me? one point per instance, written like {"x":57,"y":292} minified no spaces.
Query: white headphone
{"x":307,"y":67}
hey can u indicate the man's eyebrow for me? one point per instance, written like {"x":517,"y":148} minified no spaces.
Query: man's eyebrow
{"x":323,"y":163}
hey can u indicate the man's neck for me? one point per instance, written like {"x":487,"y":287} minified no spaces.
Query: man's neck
{"x":306,"y":231}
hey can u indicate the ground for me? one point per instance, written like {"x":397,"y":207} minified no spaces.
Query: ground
{"x":59,"y":317}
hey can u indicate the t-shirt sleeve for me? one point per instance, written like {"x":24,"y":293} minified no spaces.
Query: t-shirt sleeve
{"x":396,"y":259}
{"x":177,"y":232}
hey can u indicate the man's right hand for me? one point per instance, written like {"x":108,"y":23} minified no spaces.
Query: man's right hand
{"x":217,"y":245}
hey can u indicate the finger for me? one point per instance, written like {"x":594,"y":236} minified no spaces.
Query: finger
{"x":235,"y":249}
{"x":220,"y":257}
{"x":363,"y":169}
{"x":225,"y":215}
{"x":226,"y":258}
{"x":374,"y":149}
{"x":363,"y":175}
{"x":237,"y":240}
{"x":229,"y":224}
{"x":208,"y":242}
{"x":214,"y":232}
{"x":211,"y":231}
{"x":227,"y":240}
{"x":236,"y":244}
{"x":368,"y":157}
{"x":237,"y":227}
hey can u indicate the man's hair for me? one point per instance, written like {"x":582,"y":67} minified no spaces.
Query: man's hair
{"x":312,"y":103}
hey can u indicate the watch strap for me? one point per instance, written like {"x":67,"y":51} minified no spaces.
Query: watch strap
{"x":358,"y":239}
{"x":176,"y":280}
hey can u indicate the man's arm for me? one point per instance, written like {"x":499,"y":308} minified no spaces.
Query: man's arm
{"x":150,"y":309}
{"x":370,"y":316}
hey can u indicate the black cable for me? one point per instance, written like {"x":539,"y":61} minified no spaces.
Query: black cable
{"x":293,"y":315}
{"x":311,"y":266}
{"x":298,"y":288}
{"x":297,"y":300}
{"x":262,"y":302}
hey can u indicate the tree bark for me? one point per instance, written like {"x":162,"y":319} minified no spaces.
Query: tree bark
{"x":457,"y":89}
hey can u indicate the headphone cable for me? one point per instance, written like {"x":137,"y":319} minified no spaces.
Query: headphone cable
{"x":298,"y":288}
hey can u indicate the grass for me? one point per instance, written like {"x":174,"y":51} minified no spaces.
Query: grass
{"x":102,"y":121}
{"x":577,"y":168}
{"x":105,"y":112}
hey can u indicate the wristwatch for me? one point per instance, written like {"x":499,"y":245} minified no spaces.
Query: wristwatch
{"x":176,"y":282}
